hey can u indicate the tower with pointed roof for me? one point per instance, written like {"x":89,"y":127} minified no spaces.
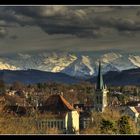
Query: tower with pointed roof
{"x":100,"y":101}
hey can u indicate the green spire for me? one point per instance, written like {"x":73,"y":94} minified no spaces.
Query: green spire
{"x":100,"y":83}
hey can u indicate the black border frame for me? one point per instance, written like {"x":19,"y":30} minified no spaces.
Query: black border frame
{"x":69,"y":2}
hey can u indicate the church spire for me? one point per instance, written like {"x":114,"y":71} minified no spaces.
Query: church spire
{"x":100,"y":83}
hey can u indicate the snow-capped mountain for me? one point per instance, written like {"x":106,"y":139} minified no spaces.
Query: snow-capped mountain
{"x":80,"y":64}
{"x":135,"y":60}
{"x":4,"y":65}
{"x":81,"y":67}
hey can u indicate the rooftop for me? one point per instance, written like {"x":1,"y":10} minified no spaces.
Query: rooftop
{"x":138,"y":109}
{"x":134,"y":109}
{"x":57,"y":103}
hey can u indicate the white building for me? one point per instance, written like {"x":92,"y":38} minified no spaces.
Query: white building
{"x":63,"y":117}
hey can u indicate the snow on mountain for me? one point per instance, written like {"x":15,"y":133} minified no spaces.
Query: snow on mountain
{"x":58,"y":63}
{"x":110,"y":57}
{"x":108,"y":67}
{"x":108,"y":61}
{"x":46,"y":61}
{"x":24,"y":56}
{"x":6,"y":66}
{"x":116,"y":62}
{"x":86,"y":61}
{"x":123,"y":63}
{"x":79,"y":65}
{"x":135,"y":60}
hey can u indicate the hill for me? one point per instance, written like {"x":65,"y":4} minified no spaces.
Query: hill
{"x":35,"y":76}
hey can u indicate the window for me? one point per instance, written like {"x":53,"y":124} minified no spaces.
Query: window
{"x":61,"y":124}
{"x":58,"y":124}
{"x":51,"y":124}
{"x":97,"y":99}
{"x":48,"y":124}
{"x":54,"y":123}
{"x":42,"y":124}
{"x":100,"y":99}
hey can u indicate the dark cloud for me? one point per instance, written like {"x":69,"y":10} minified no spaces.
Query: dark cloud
{"x":80,"y":31}
{"x":55,"y":20}
{"x":80,"y":21}
{"x":39,"y":11}
{"x":10,"y":16}
{"x":121,"y":24}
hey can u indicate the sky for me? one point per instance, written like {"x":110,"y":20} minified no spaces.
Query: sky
{"x":69,"y":28}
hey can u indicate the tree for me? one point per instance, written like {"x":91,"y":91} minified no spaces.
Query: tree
{"x":107,"y":126}
{"x":18,"y":86}
{"x":123,"y":98}
{"x":122,"y":89}
{"x":2,"y":87}
{"x":124,"y":125}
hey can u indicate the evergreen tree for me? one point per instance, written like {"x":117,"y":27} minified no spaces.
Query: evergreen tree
{"x":124,"y":125}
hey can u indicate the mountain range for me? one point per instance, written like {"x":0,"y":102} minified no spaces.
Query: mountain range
{"x":125,"y":77}
{"x":115,"y":78}
{"x":77,"y":64}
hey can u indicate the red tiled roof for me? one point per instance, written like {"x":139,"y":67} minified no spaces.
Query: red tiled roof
{"x":138,"y":109}
{"x":57,"y":103}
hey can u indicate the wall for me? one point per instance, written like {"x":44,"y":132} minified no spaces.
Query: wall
{"x":72,"y":122}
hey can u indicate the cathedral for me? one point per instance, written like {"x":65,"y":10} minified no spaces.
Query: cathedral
{"x":100,"y":100}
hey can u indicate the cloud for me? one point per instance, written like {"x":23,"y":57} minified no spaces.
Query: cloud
{"x":80,"y":21}
{"x":24,"y":56}
{"x":3,"y":32}
{"x":11,"y":18}
{"x":120,"y":24}
{"x":39,"y":11}
{"x":138,"y":13}
{"x":14,"y":37}
{"x":60,"y":20}
{"x":127,"y":33}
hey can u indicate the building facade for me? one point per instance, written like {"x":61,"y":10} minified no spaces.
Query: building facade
{"x":67,"y":123}
{"x":63,"y":116}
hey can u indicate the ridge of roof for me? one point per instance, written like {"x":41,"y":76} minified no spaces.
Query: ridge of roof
{"x":57,"y":103}
{"x":134,"y":109}
{"x":138,"y":109}
{"x":66,"y":103}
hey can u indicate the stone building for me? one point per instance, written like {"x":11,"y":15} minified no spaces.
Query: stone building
{"x":100,"y":101}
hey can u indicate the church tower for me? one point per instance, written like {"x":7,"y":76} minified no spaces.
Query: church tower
{"x":100,"y":92}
